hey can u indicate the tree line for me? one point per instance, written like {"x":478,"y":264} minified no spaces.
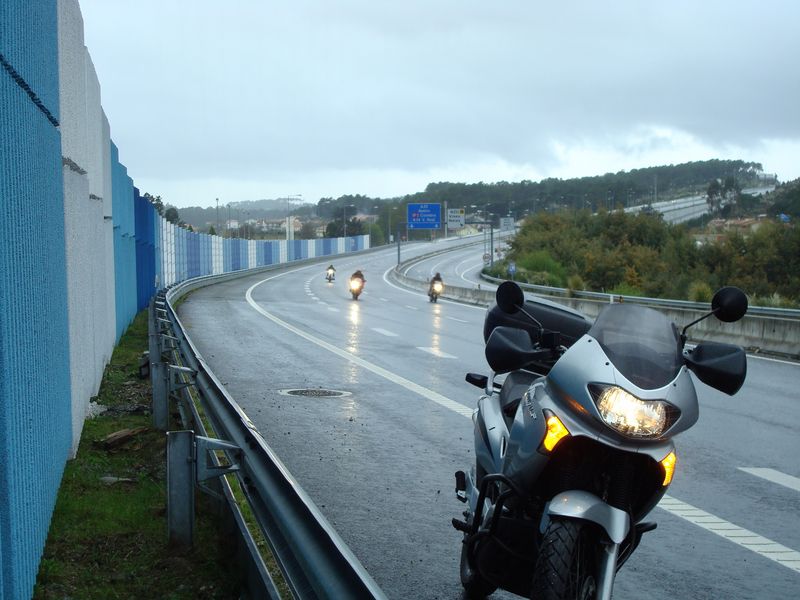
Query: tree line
{"x":641,"y":255}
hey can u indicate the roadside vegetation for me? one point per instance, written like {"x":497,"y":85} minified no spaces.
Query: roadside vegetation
{"x":641,"y":255}
{"x":108,"y":534}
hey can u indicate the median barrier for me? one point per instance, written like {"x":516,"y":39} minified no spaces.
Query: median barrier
{"x":758,"y":333}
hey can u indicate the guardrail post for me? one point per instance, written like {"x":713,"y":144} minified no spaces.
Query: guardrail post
{"x":160,"y":382}
{"x":180,"y":487}
{"x":188,"y":465}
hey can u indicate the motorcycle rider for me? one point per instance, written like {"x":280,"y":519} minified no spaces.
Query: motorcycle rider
{"x":433,"y":280}
{"x":359,"y":275}
{"x":330,"y":273}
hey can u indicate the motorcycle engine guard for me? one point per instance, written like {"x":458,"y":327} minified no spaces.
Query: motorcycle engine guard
{"x":578,"y":504}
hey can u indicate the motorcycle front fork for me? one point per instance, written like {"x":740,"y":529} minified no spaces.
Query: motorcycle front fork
{"x":607,"y":570}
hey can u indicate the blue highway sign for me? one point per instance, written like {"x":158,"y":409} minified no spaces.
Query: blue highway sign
{"x":424,"y":216}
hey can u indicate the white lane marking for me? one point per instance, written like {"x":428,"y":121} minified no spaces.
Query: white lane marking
{"x":412,"y":307}
{"x":314,"y":297}
{"x":435,"y":268}
{"x":459,"y":320}
{"x":733,"y":533}
{"x":436,"y":352}
{"x":384,"y":299}
{"x":384,"y":332}
{"x":777,"y":360}
{"x":793,"y":483}
{"x":333,"y":309}
{"x":472,"y":281}
{"x":458,"y":266}
{"x":399,"y":380}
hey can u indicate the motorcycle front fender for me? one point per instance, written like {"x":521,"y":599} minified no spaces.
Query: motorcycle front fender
{"x":577,"y":504}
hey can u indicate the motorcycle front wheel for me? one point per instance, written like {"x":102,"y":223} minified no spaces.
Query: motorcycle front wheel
{"x":567,"y":565}
{"x":475,"y":586}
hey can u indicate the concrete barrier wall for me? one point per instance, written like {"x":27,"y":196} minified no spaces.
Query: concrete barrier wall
{"x":754,"y":333}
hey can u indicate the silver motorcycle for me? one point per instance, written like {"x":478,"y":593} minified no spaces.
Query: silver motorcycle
{"x":574,"y":446}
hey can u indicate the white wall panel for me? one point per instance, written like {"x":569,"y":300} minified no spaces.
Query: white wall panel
{"x":94,"y":130}
{"x":79,"y":304}
{"x":251,"y":253}
{"x":108,"y":233}
{"x":72,"y":82}
{"x":217,"y":255}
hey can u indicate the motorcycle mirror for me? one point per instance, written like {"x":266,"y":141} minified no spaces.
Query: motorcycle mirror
{"x":729,"y":304}
{"x":509,"y":297}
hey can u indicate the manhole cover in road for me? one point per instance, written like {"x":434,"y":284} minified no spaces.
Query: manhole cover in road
{"x":315,"y":393}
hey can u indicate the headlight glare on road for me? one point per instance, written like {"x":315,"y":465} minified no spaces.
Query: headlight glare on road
{"x":627,"y":414}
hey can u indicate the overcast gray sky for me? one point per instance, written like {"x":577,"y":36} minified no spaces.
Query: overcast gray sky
{"x":248,"y":99}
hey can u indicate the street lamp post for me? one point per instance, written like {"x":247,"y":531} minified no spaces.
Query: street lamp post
{"x":344,"y":217}
{"x":289,"y":228}
{"x":389,"y":225}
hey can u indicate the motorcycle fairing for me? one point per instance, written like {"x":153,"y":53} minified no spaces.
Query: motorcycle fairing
{"x":578,"y":504}
{"x":586,"y":363}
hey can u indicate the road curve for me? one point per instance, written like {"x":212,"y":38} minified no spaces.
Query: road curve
{"x":379,"y":461}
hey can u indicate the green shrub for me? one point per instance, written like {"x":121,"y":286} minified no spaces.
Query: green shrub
{"x":575,"y":283}
{"x":540,"y":261}
{"x":700,"y":291}
{"x":625,"y":289}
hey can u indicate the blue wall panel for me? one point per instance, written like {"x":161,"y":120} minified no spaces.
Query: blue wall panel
{"x":35,"y":420}
{"x":144,"y":213}
{"x":29,"y":47}
{"x":235,"y":259}
{"x":245,"y":254}
{"x":297,"y":249}
{"x":124,"y":243}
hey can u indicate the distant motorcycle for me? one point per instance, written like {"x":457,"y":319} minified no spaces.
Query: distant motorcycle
{"x":435,"y":290}
{"x":330,"y":275}
{"x":356,"y":286}
{"x":574,"y":448}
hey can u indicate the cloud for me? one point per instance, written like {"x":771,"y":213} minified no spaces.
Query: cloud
{"x":360,"y":96}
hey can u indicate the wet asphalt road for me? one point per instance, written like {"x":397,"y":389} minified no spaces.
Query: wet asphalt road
{"x":379,"y":462}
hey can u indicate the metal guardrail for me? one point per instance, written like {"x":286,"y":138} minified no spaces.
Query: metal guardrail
{"x":764,"y":311}
{"x":314,"y":560}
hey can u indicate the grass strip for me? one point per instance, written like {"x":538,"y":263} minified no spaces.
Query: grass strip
{"x":108,"y":533}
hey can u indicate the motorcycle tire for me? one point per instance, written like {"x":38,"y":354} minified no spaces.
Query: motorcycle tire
{"x":475,"y":586}
{"x":567,"y":563}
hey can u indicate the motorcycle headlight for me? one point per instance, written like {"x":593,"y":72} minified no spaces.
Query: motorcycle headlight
{"x":355,"y":284}
{"x":631,"y":416}
{"x":437,"y":287}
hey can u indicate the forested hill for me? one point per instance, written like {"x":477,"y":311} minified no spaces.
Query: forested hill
{"x":785,"y":199}
{"x":639,"y":186}
{"x":611,"y":189}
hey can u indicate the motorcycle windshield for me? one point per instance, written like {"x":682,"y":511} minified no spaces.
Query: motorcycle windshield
{"x":642,"y":343}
